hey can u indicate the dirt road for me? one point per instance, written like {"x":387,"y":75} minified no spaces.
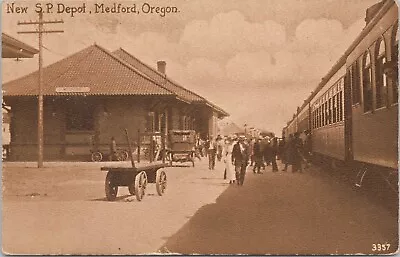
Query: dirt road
{"x":62,"y":209}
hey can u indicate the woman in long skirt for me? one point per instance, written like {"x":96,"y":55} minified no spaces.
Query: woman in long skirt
{"x":229,"y":167}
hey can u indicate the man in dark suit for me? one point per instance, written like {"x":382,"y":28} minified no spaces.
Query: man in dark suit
{"x":258,"y":156}
{"x":240,"y":158}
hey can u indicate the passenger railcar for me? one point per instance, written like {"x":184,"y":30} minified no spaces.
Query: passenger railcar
{"x":353,"y":113}
{"x":327,"y":115}
{"x":374,"y":92}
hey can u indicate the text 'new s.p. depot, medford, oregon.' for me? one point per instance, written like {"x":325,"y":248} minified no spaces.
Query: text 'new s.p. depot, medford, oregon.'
{"x":75,"y":8}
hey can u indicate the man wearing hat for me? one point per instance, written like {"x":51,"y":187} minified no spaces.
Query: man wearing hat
{"x":240,"y":158}
{"x":297,"y":153}
{"x":258,"y":156}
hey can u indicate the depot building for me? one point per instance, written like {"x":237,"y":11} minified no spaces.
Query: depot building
{"x":94,"y":95}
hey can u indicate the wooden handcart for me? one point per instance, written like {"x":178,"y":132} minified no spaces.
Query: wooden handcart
{"x":135,"y":178}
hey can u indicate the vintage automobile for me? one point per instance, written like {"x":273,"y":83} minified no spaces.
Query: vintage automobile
{"x":181,"y":146}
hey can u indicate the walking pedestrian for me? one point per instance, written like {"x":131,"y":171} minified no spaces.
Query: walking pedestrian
{"x":220,"y":147}
{"x":307,"y":149}
{"x":287,"y":152}
{"x":258,"y":157}
{"x":251,"y":153}
{"x":274,"y":152}
{"x":229,"y":167}
{"x":240,"y":158}
{"x":212,"y":148}
{"x":297,"y":153}
{"x":267,"y":152}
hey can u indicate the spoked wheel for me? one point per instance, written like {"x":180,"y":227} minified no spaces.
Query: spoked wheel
{"x":97,"y":157}
{"x":110,"y":188}
{"x":140,"y":185}
{"x":161,"y":182}
{"x":123,"y":155}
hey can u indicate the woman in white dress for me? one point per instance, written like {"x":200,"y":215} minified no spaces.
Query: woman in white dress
{"x":230,"y":168}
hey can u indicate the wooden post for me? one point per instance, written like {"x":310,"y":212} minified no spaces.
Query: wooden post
{"x":151,"y":151}
{"x":163,"y":147}
{"x":139,"y":146}
{"x":40,"y":32}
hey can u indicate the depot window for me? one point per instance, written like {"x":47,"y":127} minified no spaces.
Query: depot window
{"x":367,"y":85}
{"x":79,"y":115}
{"x":381,"y":79}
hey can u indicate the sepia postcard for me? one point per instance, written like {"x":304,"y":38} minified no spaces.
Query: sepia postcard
{"x":187,"y":127}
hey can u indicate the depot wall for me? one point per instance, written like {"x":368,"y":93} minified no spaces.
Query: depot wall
{"x":111,"y":116}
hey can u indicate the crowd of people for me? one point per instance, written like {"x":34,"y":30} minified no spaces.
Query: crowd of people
{"x":240,"y":152}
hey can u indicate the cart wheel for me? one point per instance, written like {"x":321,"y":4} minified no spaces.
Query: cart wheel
{"x":140,"y":185}
{"x":161,"y":182}
{"x":97,"y":157}
{"x":125,"y":155}
{"x":111,"y":190}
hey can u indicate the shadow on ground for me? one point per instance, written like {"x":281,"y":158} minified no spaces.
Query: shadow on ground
{"x":284,"y":214}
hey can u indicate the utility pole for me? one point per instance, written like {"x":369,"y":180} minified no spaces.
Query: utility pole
{"x":40,"y":32}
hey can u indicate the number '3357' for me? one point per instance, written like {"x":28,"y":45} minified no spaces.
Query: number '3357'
{"x":380,"y":247}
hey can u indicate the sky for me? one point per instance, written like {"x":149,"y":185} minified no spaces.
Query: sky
{"x":256,"y":59}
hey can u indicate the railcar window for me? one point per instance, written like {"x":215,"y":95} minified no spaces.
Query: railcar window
{"x":330,"y":111}
{"x":395,"y":59}
{"x":319,"y":116}
{"x":355,"y":82}
{"x":367,"y":85}
{"x":315,"y":118}
{"x":341,"y":105}
{"x":381,"y":79}
{"x":334,"y":109}
{"x":338,"y":106}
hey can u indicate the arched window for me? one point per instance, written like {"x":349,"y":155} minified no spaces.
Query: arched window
{"x":367,"y":85}
{"x":395,"y":59}
{"x":381,"y":79}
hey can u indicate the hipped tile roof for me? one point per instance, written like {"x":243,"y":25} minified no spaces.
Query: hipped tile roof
{"x":161,"y":78}
{"x":93,"y":67}
{"x":157,"y":76}
{"x":104,"y":73}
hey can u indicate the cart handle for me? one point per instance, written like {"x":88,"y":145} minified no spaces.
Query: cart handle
{"x":130,"y":148}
